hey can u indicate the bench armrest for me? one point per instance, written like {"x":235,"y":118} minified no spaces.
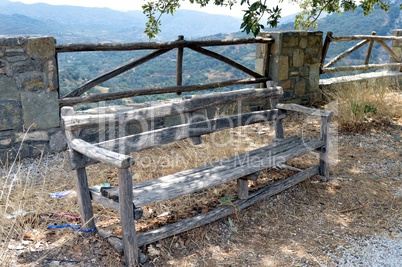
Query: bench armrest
{"x":306,"y":110}
{"x":100,"y":154}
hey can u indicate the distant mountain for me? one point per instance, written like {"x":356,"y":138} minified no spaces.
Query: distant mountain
{"x":72,"y":23}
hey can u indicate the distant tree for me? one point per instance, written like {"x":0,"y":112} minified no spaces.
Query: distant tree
{"x":255,"y":10}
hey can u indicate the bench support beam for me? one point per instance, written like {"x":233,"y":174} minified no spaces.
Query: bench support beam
{"x":324,"y":153}
{"x":127,"y":217}
{"x":84,"y":200}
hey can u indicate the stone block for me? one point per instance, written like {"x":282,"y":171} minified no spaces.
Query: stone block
{"x":287,"y":94}
{"x":276,"y":47}
{"x":57,"y":142}
{"x":14,"y":41}
{"x":315,"y":39}
{"x":260,"y":66}
{"x":30,"y":81}
{"x":290,"y":40}
{"x":38,"y":149}
{"x":17,"y":58}
{"x":8,"y":88}
{"x":6,"y":138}
{"x":304,"y":71}
{"x":41,"y":48}
{"x":298,"y":58}
{"x":300,"y":88}
{"x":317,"y":97}
{"x":303,"y":43}
{"x":13,"y":52}
{"x":10,"y":115}
{"x":283,"y":68}
{"x":27,"y":66}
{"x":261,"y":49}
{"x":40,"y":109}
{"x":32,"y":136}
{"x":315,"y":54}
{"x":286,"y":85}
{"x":4,"y":142}
{"x":52,"y":83}
{"x":304,"y":100}
{"x":287,"y":51}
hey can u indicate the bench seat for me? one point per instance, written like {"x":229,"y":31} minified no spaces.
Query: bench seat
{"x":216,"y":173}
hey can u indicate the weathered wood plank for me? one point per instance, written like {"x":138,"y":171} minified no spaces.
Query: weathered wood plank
{"x":62,"y":48}
{"x":227,"y":60}
{"x":224,"y":211}
{"x":70,"y":101}
{"x":236,"y":160}
{"x":306,"y":110}
{"x":109,"y":75}
{"x":176,"y":185}
{"x":163,"y":136}
{"x":130,"y":244}
{"x":100,"y":154}
{"x":192,"y":104}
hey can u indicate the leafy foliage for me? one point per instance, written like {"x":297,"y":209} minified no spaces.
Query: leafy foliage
{"x":255,"y":10}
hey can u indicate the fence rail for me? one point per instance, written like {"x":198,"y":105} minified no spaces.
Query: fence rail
{"x":365,"y":39}
{"x":76,"y":96}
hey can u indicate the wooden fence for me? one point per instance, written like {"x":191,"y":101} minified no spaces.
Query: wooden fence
{"x":76,"y":96}
{"x":365,"y":39}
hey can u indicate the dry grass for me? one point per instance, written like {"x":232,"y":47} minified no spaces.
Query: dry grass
{"x":356,"y":108}
{"x":296,"y":228}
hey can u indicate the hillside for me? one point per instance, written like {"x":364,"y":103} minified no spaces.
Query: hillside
{"x":83,"y":24}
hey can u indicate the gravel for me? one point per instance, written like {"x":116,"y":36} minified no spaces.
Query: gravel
{"x":372,"y":251}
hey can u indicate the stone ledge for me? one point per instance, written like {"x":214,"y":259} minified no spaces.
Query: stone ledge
{"x":361,"y":77}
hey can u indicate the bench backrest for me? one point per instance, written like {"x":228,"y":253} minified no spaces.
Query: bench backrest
{"x":193,"y":120}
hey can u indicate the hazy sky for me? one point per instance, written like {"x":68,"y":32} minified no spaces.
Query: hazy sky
{"x":124,"y":5}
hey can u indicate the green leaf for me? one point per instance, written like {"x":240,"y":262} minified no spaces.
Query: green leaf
{"x":226,"y":200}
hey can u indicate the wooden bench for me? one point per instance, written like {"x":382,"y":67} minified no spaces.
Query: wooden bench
{"x":128,"y":198}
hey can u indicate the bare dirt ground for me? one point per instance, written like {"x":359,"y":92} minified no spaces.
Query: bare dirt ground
{"x":306,"y":225}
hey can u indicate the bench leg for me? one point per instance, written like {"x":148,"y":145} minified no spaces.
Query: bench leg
{"x":324,"y":153}
{"x":242,"y":188}
{"x":130,"y":245}
{"x":84,"y":200}
{"x":279,"y":135}
{"x":242,"y":185}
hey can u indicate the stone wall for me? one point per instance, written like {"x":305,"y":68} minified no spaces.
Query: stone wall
{"x":384,"y":79}
{"x":29,"y":110}
{"x":293,"y":63}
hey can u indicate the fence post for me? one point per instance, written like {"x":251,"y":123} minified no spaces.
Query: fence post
{"x":29,"y":97}
{"x":397,"y":45}
{"x":294,"y":64}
